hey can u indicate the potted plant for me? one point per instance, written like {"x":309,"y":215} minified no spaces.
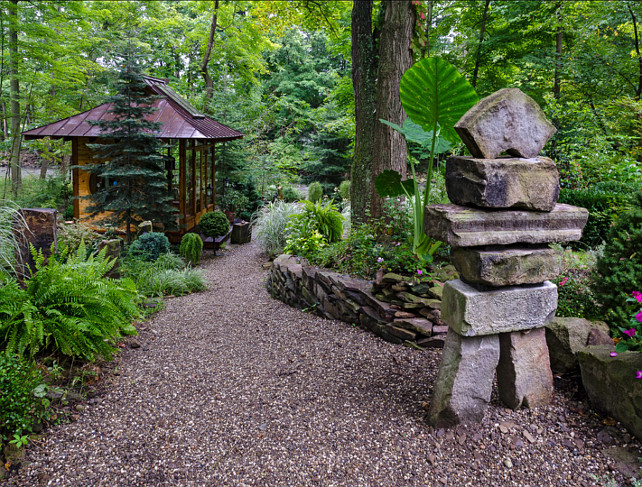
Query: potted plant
{"x":233,"y":202}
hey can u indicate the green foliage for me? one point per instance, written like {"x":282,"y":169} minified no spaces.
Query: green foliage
{"x":575,"y":298}
{"x":269,"y":225}
{"x":619,"y":270}
{"x":149,"y":246}
{"x":51,"y":192}
{"x":604,"y":202}
{"x":435,"y":96}
{"x":165,"y":276}
{"x":312,"y":229}
{"x":234,"y":200}
{"x":68,"y":307}
{"x":71,"y":235}
{"x":315,"y":192}
{"x":630,"y":334}
{"x":344,"y":190}
{"x":214,"y":224}
{"x":20,"y":408}
{"x":10,"y":216}
{"x":290,"y":195}
{"x":191,"y":248}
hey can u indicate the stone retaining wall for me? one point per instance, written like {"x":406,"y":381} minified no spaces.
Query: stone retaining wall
{"x":393,"y":307}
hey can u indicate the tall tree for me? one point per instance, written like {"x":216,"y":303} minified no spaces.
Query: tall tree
{"x":14,"y":87}
{"x":130,"y":164}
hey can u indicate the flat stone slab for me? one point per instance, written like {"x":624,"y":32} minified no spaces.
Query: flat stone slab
{"x":467,"y":227}
{"x":506,"y":121}
{"x":501,"y":266}
{"x":524,"y":376}
{"x":471,"y":312}
{"x":531,"y":184}
{"x":464,"y":381}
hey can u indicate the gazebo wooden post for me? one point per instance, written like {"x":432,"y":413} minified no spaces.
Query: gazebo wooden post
{"x":213,"y":173}
{"x":193,"y":162}
{"x":202,"y":154}
{"x":182,"y":189}
{"x":74,"y":164}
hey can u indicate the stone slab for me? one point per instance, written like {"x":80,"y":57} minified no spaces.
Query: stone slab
{"x":524,"y":376}
{"x":501,"y":266}
{"x":506,"y":121}
{"x":464,"y":381}
{"x":467,"y":227}
{"x":471,"y":312}
{"x":530,"y":184}
{"x":612,"y":385}
{"x":567,"y":336}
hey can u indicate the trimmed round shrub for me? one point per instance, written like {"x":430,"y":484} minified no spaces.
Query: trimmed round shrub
{"x":619,"y":271}
{"x":149,"y":246}
{"x":315,"y":192}
{"x":191,"y":248}
{"x":214,"y":224}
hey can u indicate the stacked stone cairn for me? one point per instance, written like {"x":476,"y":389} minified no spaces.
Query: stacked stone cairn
{"x":505,"y":213}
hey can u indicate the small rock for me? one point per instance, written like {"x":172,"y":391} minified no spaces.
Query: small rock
{"x":80,"y":408}
{"x":529,"y":437}
{"x":134,"y":344}
{"x":508,"y":463}
{"x":431,"y":459}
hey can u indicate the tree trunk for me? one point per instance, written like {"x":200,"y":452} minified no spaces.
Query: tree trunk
{"x":209,"y":84}
{"x":364,"y":73}
{"x":482,"y":31}
{"x":14,"y":90}
{"x":638,"y":91}
{"x":557,"y":89}
{"x":390,"y":151}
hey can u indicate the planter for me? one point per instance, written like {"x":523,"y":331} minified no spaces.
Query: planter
{"x":612,"y":384}
{"x":241,"y":233}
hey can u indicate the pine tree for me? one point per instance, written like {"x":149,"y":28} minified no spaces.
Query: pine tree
{"x":130,"y":160}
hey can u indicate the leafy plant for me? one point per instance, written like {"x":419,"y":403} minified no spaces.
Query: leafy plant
{"x":344,"y":190}
{"x":269,"y":225}
{"x":575,"y":298}
{"x":10,"y":219}
{"x":167,"y":275}
{"x":435,"y":96}
{"x":315,"y":192}
{"x":290,"y":195}
{"x":70,"y":307}
{"x":312,"y":229}
{"x":191,"y":248}
{"x":71,"y":235}
{"x":620,"y":267}
{"x":234,"y":200}
{"x":327,"y":218}
{"x":20,"y":409}
{"x":149,"y":246}
{"x":214,"y":224}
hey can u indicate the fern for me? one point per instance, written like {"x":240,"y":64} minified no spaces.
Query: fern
{"x":191,"y":248}
{"x":328,"y":220}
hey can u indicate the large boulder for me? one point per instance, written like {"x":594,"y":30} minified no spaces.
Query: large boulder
{"x":612,"y":384}
{"x":566,"y":336}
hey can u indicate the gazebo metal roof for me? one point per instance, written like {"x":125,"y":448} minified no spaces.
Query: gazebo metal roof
{"x":179,"y":120}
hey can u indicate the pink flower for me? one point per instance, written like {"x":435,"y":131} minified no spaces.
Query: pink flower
{"x":423,"y":17}
{"x":631,"y":332}
{"x":380,"y":259}
{"x":613,"y":354}
{"x":639,"y":374}
{"x":564,"y":281}
{"x":637,"y":295}
{"x":639,"y":316}
{"x":419,"y":271}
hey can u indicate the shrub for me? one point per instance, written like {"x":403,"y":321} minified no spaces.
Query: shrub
{"x":20,"y":409}
{"x":149,"y":246}
{"x":214,"y":224}
{"x":191,"y":248}
{"x":344,"y":190}
{"x":69,"y":307}
{"x":290,"y":194}
{"x":311,"y":230}
{"x":270,"y":223}
{"x":575,"y":297}
{"x":315,"y":192}
{"x":70,"y":235}
{"x":619,"y":270}
{"x":604,"y":202}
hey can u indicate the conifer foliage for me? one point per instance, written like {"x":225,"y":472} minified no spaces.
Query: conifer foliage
{"x":130,"y":166}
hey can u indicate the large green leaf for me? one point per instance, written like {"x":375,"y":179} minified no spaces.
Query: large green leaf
{"x":433,"y":92}
{"x":389,"y":184}
{"x":413,"y":132}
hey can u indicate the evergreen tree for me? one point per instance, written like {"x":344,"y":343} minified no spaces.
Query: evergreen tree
{"x":129,"y":161}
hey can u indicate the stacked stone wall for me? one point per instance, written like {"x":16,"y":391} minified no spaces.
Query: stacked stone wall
{"x":394,"y":307}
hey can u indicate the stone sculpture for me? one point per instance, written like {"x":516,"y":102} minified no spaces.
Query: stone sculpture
{"x":506,"y":214}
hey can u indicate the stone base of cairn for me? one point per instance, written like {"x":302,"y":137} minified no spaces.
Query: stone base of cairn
{"x":505,"y":215}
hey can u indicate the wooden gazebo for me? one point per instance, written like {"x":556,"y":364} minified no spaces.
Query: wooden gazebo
{"x":191,"y":138}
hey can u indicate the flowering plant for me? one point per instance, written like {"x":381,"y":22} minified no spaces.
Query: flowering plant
{"x":630,"y":337}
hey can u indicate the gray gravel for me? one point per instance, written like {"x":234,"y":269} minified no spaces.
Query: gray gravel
{"x":232,"y":388}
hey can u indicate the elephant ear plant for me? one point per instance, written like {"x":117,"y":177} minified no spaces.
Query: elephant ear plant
{"x":434,"y":96}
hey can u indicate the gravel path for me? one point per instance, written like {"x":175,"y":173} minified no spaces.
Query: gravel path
{"x":232,"y":388}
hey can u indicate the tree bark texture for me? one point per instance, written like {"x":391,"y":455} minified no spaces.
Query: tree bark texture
{"x":482,"y":31}
{"x":364,"y":74}
{"x":14,"y":93}
{"x":209,"y":84}
{"x":390,"y":151}
{"x":557,"y":89}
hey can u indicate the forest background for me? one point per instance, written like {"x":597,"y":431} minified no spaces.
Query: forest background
{"x":281,"y":72}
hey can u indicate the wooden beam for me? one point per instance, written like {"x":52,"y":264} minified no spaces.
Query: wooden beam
{"x":202,"y":181}
{"x":75,"y":175}
{"x":182,"y":192}
{"x":213,"y":173}
{"x":193,"y":195}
